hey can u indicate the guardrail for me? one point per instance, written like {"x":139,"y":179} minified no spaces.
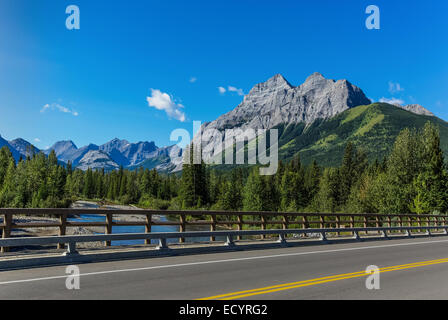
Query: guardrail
{"x":337,"y":222}
{"x":229,"y":235}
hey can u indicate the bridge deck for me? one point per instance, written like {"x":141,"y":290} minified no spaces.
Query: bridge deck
{"x":209,"y":275}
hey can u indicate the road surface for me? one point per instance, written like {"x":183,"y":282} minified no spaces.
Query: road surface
{"x":414,"y":268}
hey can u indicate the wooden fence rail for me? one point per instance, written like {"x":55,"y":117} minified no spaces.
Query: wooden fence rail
{"x":214,"y":219}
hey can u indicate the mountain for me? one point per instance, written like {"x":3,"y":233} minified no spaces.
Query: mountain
{"x":372,"y":127}
{"x":15,"y":153}
{"x":129,"y":154}
{"x":166,"y":159}
{"x":112,"y":154}
{"x":24,"y":147}
{"x":63,"y":150}
{"x":316,"y":119}
{"x":276,"y":102}
{"x":96,"y":159}
{"x":67,"y":151}
{"x":418,"y":109}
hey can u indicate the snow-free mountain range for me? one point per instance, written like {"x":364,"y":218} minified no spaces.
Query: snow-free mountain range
{"x":315,"y":120}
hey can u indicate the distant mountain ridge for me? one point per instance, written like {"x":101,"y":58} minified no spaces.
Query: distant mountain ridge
{"x":315,"y":120}
{"x":110,"y":155}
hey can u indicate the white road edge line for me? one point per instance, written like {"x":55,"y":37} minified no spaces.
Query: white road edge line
{"x":223,"y":261}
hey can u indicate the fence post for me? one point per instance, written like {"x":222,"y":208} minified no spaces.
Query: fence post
{"x":306,"y":223}
{"x":148,"y":227}
{"x":263,"y":225}
{"x":240,"y":225}
{"x":182,"y":226}
{"x":338,"y":225}
{"x":285,"y":222}
{"x":365,"y":224}
{"x":377,"y":221}
{"x":62,"y":229}
{"x":352,"y":223}
{"x":213,"y":227}
{"x":7,"y":222}
{"x":108,"y":228}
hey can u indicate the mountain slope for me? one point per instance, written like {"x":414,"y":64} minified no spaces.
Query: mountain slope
{"x":129,"y":154}
{"x":372,"y":127}
{"x":96,"y":159}
{"x":276,"y":102}
{"x":16,"y":154}
{"x":24,"y":147}
{"x":63,"y":150}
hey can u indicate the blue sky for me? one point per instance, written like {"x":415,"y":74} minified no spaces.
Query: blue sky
{"x":91,"y":85}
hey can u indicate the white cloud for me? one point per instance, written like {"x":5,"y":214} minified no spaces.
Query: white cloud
{"x":240,"y":92}
{"x":395,"y":87}
{"x":58,"y":107}
{"x":36,"y":140}
{"x":222,"y":90}
{"x":393,"y":101}
{"x":193,"y":79}
{"x":163,"y":101}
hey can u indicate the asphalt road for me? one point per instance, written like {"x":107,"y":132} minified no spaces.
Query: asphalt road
{"x":308,"y":272}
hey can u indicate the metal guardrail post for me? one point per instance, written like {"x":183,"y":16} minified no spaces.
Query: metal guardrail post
{"x":71,"y":249}
{"x":323,"y":237}
{"x":230,"y":242}
{"x":162,"y":244}
{"x":282,"y":239}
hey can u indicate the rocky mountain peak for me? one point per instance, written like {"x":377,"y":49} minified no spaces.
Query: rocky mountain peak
{"x":276,"y":83}
{"x":96,"y":159}
{"x":316,"y":76}
{"x":24,"y":147}
{"x":417,"y":109}
{"x":276,"y":102}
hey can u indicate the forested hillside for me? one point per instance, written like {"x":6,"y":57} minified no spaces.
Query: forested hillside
{"x":412,"y":178}
{"x":374,"y":127}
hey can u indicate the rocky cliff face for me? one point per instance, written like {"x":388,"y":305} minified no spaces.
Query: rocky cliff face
{"x":276,"y":101}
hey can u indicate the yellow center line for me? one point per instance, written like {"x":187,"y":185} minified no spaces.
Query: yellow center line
{"x":293,"y":285}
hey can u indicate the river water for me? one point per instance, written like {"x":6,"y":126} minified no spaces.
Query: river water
{"x":141,"y":229}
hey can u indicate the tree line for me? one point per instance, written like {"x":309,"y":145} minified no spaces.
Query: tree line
{"x":411,"y":179}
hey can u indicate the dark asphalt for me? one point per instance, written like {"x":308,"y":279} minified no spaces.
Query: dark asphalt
{"x":200,"y":276}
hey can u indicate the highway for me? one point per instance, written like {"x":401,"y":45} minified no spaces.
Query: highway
{"x":415,"y":268}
